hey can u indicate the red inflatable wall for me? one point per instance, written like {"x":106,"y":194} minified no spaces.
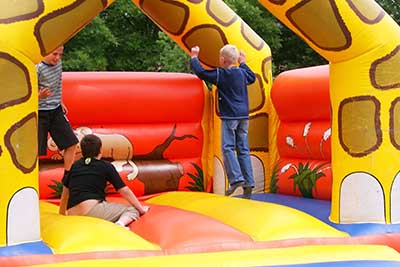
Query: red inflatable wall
{"x":301,"y":99}
{"x":150,"y":125}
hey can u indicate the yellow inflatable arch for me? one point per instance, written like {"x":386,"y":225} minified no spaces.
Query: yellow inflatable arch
{"x":351,"y":34}
{"x":362,"y":44}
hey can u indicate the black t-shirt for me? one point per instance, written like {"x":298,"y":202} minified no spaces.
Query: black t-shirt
{"x":88,"y":179}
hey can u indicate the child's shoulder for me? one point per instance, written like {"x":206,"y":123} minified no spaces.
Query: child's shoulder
{"x":40,"y":65}
{"x":104,"y":162}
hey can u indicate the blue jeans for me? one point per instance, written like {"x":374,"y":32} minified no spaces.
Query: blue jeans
{"x":236,"y":152}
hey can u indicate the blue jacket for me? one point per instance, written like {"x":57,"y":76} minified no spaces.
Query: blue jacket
{"x":233,"y":102}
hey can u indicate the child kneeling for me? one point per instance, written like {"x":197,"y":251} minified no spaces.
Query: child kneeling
{"x":84,"y":188}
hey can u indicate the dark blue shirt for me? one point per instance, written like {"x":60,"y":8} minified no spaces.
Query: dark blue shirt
{"x":233,"y":102}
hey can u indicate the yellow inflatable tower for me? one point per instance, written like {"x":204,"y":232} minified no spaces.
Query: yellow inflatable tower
{"x":29,"y":30}
{"x":362,"y":44}
{"x":211,"y":25}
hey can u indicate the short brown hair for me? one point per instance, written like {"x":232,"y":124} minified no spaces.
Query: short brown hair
{"x":90,"y":146}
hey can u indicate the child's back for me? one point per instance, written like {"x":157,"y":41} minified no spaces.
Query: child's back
{"x":232,"y":92}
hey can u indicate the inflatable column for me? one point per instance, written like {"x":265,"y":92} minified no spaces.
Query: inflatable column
{"x":29,"y":30}
{"x":362,"y":44}
{"x":212,"y":24}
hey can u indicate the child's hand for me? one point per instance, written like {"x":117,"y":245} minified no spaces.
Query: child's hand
{"x":44,"y":92}
{"x":195,"y":51}
{"x":242,"y":57}
{"x":144,"y":210}
{"x":64,"y":108}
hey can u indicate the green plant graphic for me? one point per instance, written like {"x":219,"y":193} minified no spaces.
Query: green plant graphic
{"x":273,"y":187}
{"x":305,"y":178}
{"x":198,"y":179}
{"x":57,"y":188}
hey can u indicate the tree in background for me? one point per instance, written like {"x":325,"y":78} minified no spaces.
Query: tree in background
{"x":88,"y":50}
{"x":122,"y":38}
{"x":171,"y":57}
{"x":392,"y":7}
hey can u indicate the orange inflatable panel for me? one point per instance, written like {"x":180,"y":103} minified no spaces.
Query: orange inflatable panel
{"x":305,"y":140}
{"x":302,"y":94}
{"x":167,"y":227}
{"x":134,"y":97}
{"x":150,"y":125}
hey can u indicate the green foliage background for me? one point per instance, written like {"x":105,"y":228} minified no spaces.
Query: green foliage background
{"x":122,"y":38}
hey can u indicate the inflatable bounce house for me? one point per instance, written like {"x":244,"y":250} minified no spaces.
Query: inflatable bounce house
{"x":325,"y":143}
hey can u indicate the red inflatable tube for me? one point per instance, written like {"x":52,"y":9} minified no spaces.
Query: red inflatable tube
{"x":302,"y":94}
{"x":135,"y":97}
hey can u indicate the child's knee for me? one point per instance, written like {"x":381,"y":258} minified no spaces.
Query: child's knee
{"x":132,"y":213}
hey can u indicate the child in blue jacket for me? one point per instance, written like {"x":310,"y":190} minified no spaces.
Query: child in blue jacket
{"x":233,"y":108}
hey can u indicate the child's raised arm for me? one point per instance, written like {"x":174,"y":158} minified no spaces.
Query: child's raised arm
{"x":242,"y":57}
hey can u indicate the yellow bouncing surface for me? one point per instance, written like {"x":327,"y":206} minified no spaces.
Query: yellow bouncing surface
{"x":262,"y":221}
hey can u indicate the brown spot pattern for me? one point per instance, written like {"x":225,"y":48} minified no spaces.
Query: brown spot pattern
{"x":359,"y":125}
{"x":220,"y":12}
{"x":157,"y":11}
{"x":266,"y":68}
{"x":251,"y":37}
{"x":368,"y":11}
{"x":384,"y":72}
{"x":23,"y":10}
{"x":395,"y":123}
{"x":258,"y":132}
{"x":210,"y":38}
{"x":277,"y":2}
{"x":15,"y":84}
{"x":21,"y":142}
{"x":256,"y":95}
{"x":52,"y":29}
{"x":329,"y":33}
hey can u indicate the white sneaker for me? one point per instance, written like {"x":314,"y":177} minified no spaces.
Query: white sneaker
{"x":120,"y":224}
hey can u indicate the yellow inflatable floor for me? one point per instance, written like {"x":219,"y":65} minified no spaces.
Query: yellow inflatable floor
{"x":201,"y":229}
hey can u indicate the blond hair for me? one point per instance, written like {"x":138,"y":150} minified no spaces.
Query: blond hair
{"x":230,"y":53}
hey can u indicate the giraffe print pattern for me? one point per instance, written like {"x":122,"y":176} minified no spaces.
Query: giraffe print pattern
{"x":221,"y":13}
{"x":22,"y":148}
{"x":30,"y":30}
{"x":314,"y":30}
{"x":394,"y":123}
{"x":380,"y":77}
{"x":369,"y":12}
{"x":350,"y":110}
{"x":156,"y":10}
{"x":51,"y":30}
{"x":20,"y":88}
{"x":211,"y":24}
{"x":200,"y":35}
{"x":26,"y":9}
{"x":364,"y":63}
